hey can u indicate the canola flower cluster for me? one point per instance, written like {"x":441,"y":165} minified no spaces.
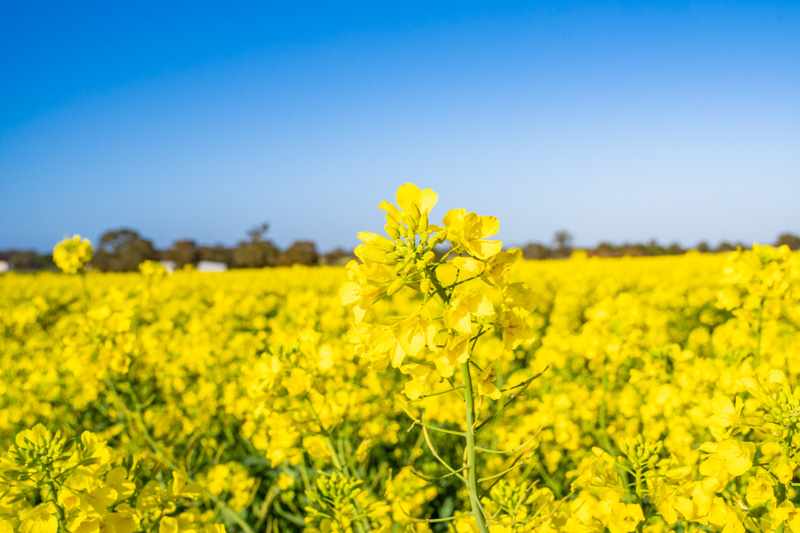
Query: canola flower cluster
{"x":440,"y":383}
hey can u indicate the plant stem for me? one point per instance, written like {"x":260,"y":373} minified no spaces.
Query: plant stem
{"x":469,"y":402}
{"x":782,"y":486}
{"x":472,"y":478}
{"x":757,"y":358}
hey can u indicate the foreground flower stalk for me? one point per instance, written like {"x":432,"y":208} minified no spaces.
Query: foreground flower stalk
{"x":461,"y":293}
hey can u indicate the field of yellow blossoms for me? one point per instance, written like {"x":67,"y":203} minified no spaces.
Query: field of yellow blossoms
{"x":456,"y":389}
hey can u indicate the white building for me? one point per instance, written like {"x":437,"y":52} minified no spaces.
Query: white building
{"x":211,"y":266}
{"x":4,"y":266}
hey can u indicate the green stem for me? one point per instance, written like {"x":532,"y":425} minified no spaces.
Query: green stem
{"x":472,"y":454}
{"x":602,"y":415}
{"x":638,"y":487}
{"x":469,"y":401}
{"x":62,"y":522}
{"x":85,"y":290}
{"x":757,"y":358}
{"x":605,"y":441}
{"x":159,"y":452}
{"x":782,"y":486}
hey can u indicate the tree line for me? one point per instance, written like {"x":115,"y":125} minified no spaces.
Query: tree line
{"x":562,"y":247}
{"x":122,"y":250}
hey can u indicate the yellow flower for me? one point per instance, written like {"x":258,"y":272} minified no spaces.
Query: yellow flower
{"x":784,"y":469}
{"x":316,"y":447}
{"x":455,"y":353}
{"x":285,"y":482}
{"x":624,"y":517}
{"x":726,"y":415}
{"x":168,"y":525}
{"x":736,"y":456}
{"x":514,"y":327}
{"x":672,"y":503}
{"x":470,"y":231}
{"x":180,"y":487}
{"x":67,"y":498}
{"x":470,"y":266}
{"x":152,"y":269}
{"x":759,"y":490}
{"x":5,"y":526}
{"x":70,"y":255}
{"x":412,"y":202}
{"x":484,"y":385}
{"x":117,"y":479}
{"x":39,"y":519}
{"x":786,"y":512}
{"x":461,"y":310}
{"x":413,"y":334}
{"x":124,"y":519}
{"x":421,"y":378}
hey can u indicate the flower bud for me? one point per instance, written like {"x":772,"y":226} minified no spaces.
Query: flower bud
{"x":411,"y":223}
{"x":395,"y":286}
{"x":425,"y":286}
{"x":440,"y":237}
{"x":423,"y":223}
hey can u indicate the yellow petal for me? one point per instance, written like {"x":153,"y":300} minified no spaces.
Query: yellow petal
{"x":427,"y":200}
{"x":483,"y":249}
{"x":168,"y":525}
{"x":469,"y":265}
{"x":407,"y":195}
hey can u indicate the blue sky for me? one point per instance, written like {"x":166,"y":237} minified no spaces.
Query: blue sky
{"x":615,"y":120}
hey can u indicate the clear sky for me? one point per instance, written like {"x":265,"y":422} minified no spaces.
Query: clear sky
{"x":615,"y":120}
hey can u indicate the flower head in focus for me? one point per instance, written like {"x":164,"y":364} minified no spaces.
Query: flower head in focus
{"x":411,"y":239}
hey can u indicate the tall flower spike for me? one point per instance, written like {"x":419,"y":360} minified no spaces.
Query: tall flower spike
{"x":71,"y":255}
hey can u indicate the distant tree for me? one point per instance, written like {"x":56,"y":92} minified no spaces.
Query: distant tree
{"x":299,"y":253}
{"x":674,"y":249}
{"x":217,"y":253}
{"x":563,"y":241}
{"x":653,"y":248}
{"x":28,"y":260}
{"x":703,"y":247}
{"x":122,"y":250}
{"x":606,"y":249}
{"x":792,"y":241}
{"x":20,"y":260}
{"x":183,"y":252}
{"x":725,"y":247}
{"x":635,"y":250}
{"x":534,"y":250}
{"x":257,"y":252}
{"x":336,"y":257}
{"x":257,"y":233}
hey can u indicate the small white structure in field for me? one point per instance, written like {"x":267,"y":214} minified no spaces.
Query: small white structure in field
{"x":4,"y":267}
{"x":211,"y":266}
{"x":169,"y":265}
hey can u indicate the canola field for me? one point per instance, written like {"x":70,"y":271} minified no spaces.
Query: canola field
{"x":405,"y":392}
